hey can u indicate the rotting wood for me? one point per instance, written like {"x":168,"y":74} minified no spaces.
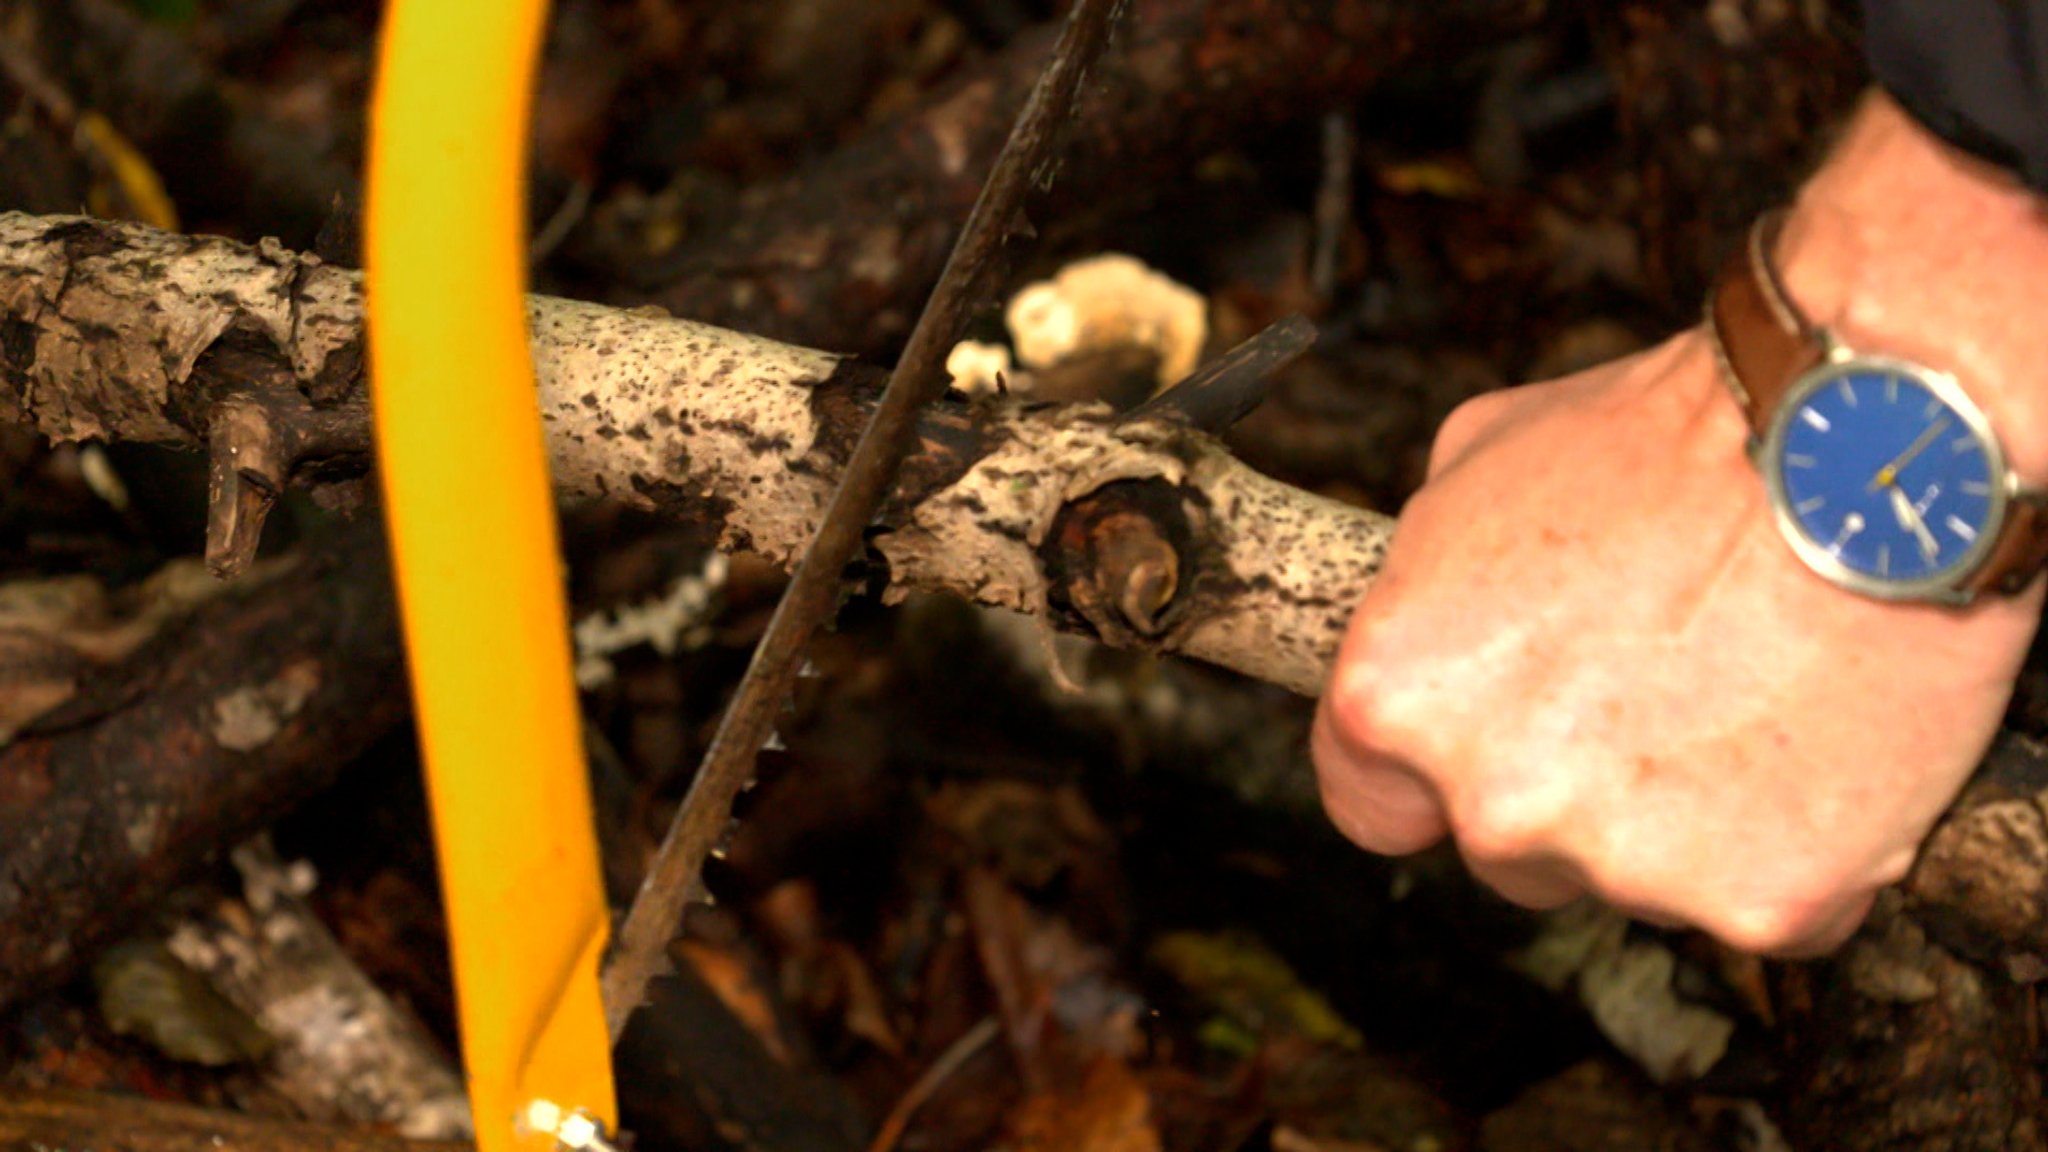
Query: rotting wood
{"x":115,"y":331}
{"x":222,"y":722}
{"x":1896,"y":1042}
{"x":121,"y":332}
{"x":345,"y":1052}
{"x":82,"y":1120}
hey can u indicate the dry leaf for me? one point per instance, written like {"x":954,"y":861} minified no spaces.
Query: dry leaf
{"x":1107,"y":1112}
{"x":736,"y":985}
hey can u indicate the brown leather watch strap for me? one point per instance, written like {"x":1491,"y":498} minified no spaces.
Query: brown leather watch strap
{"x":1764,"y":343}
{"x":2020,"y":554}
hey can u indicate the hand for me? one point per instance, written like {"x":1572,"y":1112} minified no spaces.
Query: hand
{"x":1592,"y":657}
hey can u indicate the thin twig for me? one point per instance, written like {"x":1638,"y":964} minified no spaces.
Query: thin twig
{"x":956,"y":1056}
{"x":919,"y":379}
{"x":1225,"y":390}
{"x":1333,"y":202}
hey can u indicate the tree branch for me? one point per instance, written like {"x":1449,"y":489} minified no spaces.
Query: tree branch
{"x":122,"y":332}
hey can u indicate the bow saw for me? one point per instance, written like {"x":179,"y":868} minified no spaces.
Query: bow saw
{"x":470,"y":512}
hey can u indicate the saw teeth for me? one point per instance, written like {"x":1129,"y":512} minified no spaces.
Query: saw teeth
{"x":722,"y":846}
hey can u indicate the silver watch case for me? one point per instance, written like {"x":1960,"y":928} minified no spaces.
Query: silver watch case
{"x":1947,"y":586}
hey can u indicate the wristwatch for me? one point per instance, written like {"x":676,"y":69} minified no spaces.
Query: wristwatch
{"x":1883,"y":475}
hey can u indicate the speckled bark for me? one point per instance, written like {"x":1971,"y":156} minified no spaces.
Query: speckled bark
{"x":122,"y":332}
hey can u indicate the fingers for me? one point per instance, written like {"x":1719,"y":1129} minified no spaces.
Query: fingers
{"x":1542,"y":884}
{"x":1467,"y":425}
{"x":1373,"y":800}
{"x":1828,"y":933}
{"x":1388,"y":806}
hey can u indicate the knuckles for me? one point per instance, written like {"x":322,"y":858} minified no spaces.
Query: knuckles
{"x":1500,"y":827}
{"x":1456,"y":434}
{"x":1785,"y":923}
{"x":1795,"y":912}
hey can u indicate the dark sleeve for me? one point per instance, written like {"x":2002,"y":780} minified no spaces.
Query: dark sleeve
{"x":1974,"y":71}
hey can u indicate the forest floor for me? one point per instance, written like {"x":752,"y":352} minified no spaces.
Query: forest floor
{"x":967,"y":907}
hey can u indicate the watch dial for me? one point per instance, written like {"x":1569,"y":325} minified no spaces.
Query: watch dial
{"x":1884,"y":476}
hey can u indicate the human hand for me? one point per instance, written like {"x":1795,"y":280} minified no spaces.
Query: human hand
{"x":1591,"y":657}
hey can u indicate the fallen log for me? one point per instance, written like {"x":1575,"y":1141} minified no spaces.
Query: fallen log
{"x":214,"y":728}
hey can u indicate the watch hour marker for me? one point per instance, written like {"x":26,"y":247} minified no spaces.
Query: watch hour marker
{"x":1799,"y":460}
{"x":1962,"y":443}
{"x":1976,"y":488}
{"x":1961,"y":527}
{"x":1848,"y":393}
{"x":1818,"y":422}
{"x":1884,"y":559}
{"x":1933,"y":406}
{"x":1810,"y":505}
{"x":1891,"y":389}
{"x":1851,"y":525}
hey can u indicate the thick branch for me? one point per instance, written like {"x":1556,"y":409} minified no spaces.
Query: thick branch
{"x":122,"y":332}
{"x":841,"y":254}
{"x":209,"y":732}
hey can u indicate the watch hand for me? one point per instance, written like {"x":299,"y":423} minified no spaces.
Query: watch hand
{"x":1890,"y":472}
{"x":1909,"y":519}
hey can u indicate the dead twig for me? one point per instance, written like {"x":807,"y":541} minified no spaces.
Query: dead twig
{"x":345,"y":1052}
{"x":920,"y":378}
{"x":1225,"y":390}
{"x":955,"y":1057}
{"x":86,"y":1120}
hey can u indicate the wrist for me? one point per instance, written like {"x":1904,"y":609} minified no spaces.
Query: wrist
{"x":1905,"y":246}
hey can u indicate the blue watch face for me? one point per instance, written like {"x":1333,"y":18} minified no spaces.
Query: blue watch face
{"x":1880,"y":473}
